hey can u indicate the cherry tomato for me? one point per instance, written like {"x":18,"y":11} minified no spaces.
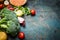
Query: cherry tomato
{"x":9,"y":6}
{"x":21,"y":35}
{"x":1,"y":6}
{"x":12,"y":9}
{"x":33,"y":12}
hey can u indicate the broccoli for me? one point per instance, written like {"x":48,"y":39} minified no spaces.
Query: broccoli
{"x":9,"y":23}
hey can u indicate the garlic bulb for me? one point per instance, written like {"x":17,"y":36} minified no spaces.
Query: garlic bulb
{"x":6,"y":2}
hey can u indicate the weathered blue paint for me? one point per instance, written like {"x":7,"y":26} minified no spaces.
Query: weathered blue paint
{"x":46,"y":24}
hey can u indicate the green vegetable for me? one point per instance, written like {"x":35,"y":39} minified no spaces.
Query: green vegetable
{"x":3,"y":26}
{"x":25,"y":10}
{"x":19,"y":13}
{"x":9,"y":23}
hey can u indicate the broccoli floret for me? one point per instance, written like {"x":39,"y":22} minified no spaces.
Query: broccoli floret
{"x":3,"y":26}
{"x":11,"y":22}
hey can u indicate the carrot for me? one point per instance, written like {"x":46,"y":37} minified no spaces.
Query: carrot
{"x":18,"y":2}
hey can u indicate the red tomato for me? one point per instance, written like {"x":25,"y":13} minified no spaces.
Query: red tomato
{"x":12,"y":9}
{"x":9,"y":6}
{"x":33,"y":12}
{"x":1,"y":6}
{"x":21,"y":35}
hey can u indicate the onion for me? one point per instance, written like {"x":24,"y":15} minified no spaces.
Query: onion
{"x":21,"y":21}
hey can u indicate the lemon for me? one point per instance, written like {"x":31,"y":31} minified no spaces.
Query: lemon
{"x":3,"y":36}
